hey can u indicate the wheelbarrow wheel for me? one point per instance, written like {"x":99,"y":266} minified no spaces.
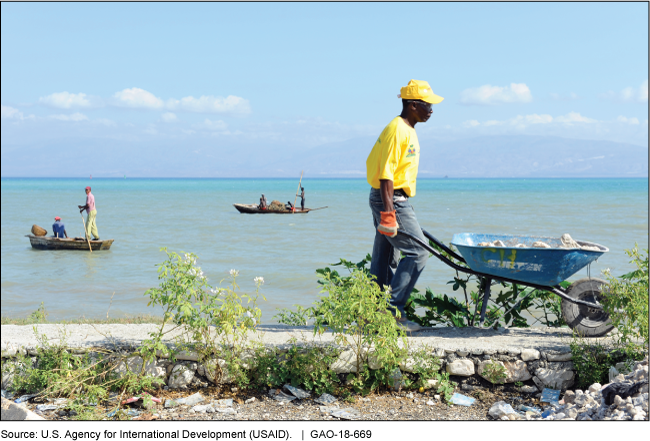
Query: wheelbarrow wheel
{"x":589,"y":322}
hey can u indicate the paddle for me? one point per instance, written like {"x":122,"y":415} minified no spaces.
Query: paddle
{"x":296,"y":198}
{"x":86,"y":232}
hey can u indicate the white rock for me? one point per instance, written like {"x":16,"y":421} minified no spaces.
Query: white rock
{"x":430,"y":403}
{"x":431,"y":384}
{"x":250,"y":400}
{"x":180,"y":376}
{"x":346,"y":363}
{"x":461,"y":367}
{"x":530,"y":354}
{"x":554,"y":379}
{"x":218,"y":376}
{"x":566,"y":356}
{"x":500,"y":409}
{"x":595,"y":387}
{"x":134,"y":365}
{"x":515,"y":370}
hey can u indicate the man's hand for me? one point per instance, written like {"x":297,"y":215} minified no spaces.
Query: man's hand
{"x":388,"y":226}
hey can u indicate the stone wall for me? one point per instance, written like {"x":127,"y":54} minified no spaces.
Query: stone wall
{"x":546,"y":368}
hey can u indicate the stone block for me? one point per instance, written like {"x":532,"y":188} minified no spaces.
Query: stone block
{"x":346,"y":363}
{"x":214,"y":374}
{"x":565,"y":356}
{"x":134,"y":365}
{"x":13,"y":412}
{"x":554,"y":379}
{"x":181,"y":376}
{"x":530,"y":354}
{"x":462,"y":352}
{"x":515,"y":371}
{"x":461,"y":367}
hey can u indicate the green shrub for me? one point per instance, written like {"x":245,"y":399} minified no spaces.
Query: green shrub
{"x":214,"y":321}
{"x":357,"y":312}
{"x":626,"y":302}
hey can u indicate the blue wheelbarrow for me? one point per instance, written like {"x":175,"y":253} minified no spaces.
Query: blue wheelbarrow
{"x":539,"y":268}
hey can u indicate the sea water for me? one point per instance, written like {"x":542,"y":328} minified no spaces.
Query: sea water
{"x":197,"y":215}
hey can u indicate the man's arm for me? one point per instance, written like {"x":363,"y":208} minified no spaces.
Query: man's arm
{"x":388,"y":225}
{"x":65,"y":233}
{"x":387,"y":191}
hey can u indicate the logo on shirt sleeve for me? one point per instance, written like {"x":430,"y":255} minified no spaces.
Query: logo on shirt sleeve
{"x":411,"y":151}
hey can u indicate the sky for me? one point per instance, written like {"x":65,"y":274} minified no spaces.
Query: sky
{"x":217,"y":77}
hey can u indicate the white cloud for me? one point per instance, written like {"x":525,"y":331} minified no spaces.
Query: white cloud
{"x":137,"y":98}
{"x":75,"y":117}
{"x":105,"y":121}
{"x":11,"y":113}
{"x":487,"y":94}
{"x":169,"y":117}
{"x":629,"y":94}
{"x":573,"y":117}
{"x":626,"y":120}
{"x":522,"y":121}
{"x":65,"y":100}
{"x":217,"y":125}
{"x":211,"y":104}
{"x":643,"y":92}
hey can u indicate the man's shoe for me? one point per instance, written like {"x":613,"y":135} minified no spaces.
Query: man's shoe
{"x":96,"y":238}
{"x":408,"y":325}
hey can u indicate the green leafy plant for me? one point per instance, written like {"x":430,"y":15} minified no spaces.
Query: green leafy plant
{"x":496,"y":373}
{"x":86,"y":379}
{"x":299,"y":317}
{"x":626,"y":302}
{"x":507,"y":308}
{"x":40,"y":315}
{"x":357,"y":311}
{"x":214,"y":321}
{"x":300,"y":366}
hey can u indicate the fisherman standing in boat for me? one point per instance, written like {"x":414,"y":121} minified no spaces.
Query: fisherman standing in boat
{"x":302,"y":198}
{"x":392,"y":169}
{"x":59,"y":228}
{"x":91,"y":225}
{"x":263,"y":205}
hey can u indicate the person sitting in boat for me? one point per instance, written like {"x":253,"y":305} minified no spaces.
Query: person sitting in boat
{"x":289,"y":206}
{"x":59,"y":228}
{"x":263,"y":205}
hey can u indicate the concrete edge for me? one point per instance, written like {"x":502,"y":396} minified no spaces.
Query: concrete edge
{"x":14,"y":412}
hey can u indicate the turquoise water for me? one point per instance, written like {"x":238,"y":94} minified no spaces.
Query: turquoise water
{"x":196,"y":215}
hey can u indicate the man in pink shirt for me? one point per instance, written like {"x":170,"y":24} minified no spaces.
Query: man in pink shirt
{"x":91,"y":226}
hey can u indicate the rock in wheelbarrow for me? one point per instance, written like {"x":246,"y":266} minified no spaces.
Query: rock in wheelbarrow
{"x":38,"y":231}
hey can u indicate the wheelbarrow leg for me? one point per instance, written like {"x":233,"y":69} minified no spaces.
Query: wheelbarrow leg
{"x":486,"y":296}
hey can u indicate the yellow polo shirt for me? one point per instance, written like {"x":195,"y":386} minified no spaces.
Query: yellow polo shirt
{"x":395,"y":156}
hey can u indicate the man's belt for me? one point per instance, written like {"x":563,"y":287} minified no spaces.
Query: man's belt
{"x":400,"y":192}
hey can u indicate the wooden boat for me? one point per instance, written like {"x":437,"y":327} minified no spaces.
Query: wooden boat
{"x":254,"y":208}
{"x":77,"y":243}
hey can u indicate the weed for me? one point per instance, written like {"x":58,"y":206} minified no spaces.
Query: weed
{"x":626,"y":302}
{"x":356,"y":310}
{"x":214,"y":321}
{"x":496,"y":373}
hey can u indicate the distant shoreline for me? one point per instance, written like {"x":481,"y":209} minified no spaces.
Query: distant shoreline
{"x":322,"y":178}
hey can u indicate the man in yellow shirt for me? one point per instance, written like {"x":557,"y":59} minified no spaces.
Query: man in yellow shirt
{"x":392,"y":169}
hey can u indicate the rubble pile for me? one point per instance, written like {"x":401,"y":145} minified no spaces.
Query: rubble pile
{"x":625,"y":398}
{"x":566,"y":241}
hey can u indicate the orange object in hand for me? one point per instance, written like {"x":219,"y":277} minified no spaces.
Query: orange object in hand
{"x":388,"y":226}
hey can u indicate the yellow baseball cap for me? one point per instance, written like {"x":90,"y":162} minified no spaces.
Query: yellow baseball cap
{"x":419,"y":90}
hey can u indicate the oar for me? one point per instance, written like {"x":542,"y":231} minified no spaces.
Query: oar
{"x":296,"y":198}
{"x":86,"y":232}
